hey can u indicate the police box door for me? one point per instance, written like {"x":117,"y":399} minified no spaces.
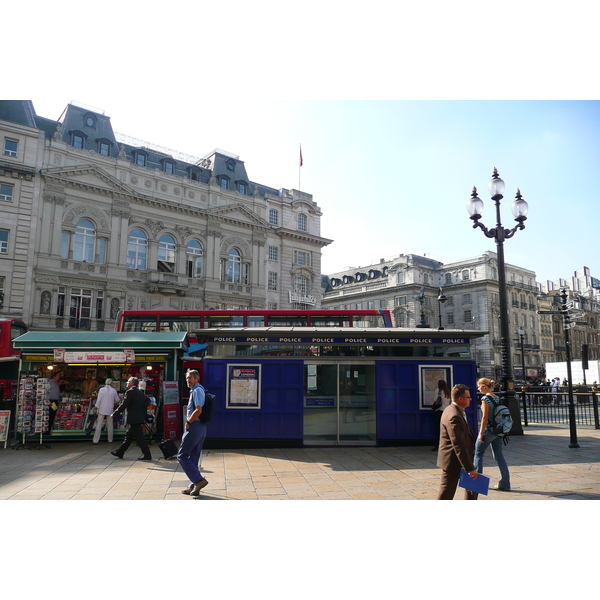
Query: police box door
{"x":339,"y":403}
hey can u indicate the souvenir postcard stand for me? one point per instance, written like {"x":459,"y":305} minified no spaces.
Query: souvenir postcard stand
{"x":32,"y":410}
{"x":152,"y":409}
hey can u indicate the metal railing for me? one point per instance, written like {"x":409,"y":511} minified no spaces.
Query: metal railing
{"x":548,"y":407}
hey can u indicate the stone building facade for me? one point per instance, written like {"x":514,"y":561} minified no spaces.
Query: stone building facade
{"x":409,"y":286}
{"x":117,"y":223}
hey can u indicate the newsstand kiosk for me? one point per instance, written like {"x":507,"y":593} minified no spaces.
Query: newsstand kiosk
{"x":85,"y":360}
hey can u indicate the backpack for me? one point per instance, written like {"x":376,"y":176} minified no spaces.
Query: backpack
{"x":500,"y":422}
{"x":209,"y":407}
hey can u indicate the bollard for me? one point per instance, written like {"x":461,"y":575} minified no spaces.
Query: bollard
{"x":595,"y":406}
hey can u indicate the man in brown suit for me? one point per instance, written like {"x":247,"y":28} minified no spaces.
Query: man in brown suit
{"x":457,"y":445}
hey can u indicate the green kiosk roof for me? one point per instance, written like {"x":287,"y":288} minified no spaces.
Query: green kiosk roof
{"x":91,"y":340}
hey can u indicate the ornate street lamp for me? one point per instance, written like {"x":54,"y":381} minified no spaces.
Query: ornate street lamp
{"x":568,"y":323}
{"x":441,"y":299}
{"x":499,"y":234}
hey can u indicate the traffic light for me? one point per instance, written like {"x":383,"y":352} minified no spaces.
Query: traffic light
{"x":584,"y":357}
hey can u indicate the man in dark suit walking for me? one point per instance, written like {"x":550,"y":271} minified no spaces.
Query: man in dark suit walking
{"x":135,"y":403}
{"x":457,"y":445}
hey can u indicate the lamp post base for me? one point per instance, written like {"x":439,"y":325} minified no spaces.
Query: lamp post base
{"x":512,"y":402}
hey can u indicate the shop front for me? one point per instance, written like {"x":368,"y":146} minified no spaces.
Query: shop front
{"x":80,"y":363}
{"x":305,"y":386}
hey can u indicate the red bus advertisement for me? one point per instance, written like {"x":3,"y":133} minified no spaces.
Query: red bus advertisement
{"x":9,"y":357}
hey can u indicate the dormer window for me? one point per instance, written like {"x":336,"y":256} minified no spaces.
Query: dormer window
{"x":168,"y":167}
{"x":89,"y":120}
{"x":104,"y":146}
{"x":139,"y":158}
{"x":77,"y":139}
{"x":241,"y":187}
{"x":230,"y":165}
{"x":194,"y":173}
{"x":224,"y":183}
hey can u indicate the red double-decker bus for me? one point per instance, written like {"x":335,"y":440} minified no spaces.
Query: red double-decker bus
{"x":191,"y":320}
{"x":9,"y":357}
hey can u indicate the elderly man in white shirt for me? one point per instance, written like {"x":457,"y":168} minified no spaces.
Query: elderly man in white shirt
{"x":105,"y":405}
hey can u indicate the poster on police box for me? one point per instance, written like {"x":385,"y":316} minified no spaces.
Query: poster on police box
{"x":243,"y":386}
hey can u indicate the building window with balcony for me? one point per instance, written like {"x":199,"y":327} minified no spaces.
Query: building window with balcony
{"x":137,"y":248}
{"x":84,"y":241}
{"x":80,"y":309}
{"x":7,"y":192}
{"x":301,"y":285}
{"x":10,"y":147}
{"x":231,"y":267}
{"x":194,"y":253}
{"x":166,"y":254}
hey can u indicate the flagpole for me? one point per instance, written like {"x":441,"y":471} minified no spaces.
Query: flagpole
{"x":300,"y":165}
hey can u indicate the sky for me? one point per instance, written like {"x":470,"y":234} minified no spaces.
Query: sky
{"x":393,"y":177}
{"x":397,"y":119}
{"x":400,"y":108}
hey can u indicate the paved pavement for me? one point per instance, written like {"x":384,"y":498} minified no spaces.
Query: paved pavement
{"x":542,"y":467}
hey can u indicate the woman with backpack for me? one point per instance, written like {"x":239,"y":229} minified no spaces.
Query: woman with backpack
{"x":486,"y":438}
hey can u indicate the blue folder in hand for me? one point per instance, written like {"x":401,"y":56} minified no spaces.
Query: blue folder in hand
{"x":481,"y":485}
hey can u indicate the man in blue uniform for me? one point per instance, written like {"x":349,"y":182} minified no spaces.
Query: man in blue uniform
{"x":193,"y":438}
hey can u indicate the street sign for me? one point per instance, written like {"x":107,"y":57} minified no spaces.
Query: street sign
{"x":576,"y":315}
{"x":570,"y":304}
{"x":569,"y":325}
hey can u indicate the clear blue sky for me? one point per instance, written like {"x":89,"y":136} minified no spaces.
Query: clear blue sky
{"x":394,"y":176}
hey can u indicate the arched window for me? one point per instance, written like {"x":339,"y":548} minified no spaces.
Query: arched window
{"x":137,"y":247}
{"x":232,"y":267}
{"x":302,"y":222}
{"x":166,"y":249}
{"x":84,"y":241}
{"x":194,"y":259}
